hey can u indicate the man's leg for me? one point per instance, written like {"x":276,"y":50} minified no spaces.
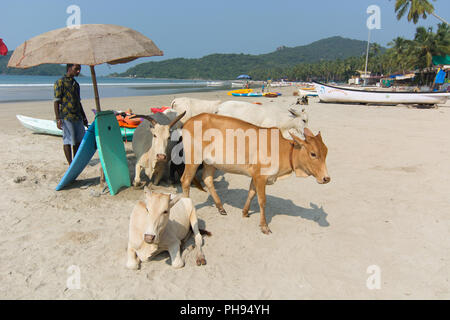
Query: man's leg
{"x":75,"y":149}
{"x":68,"y":153}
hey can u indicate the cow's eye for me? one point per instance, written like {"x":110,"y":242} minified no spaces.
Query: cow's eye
{"x":154,"y":135}
{"x":166,"y":212}
{"x":313,"y":154}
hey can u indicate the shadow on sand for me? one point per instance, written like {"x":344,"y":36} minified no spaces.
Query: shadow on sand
{"x":274,"y":205}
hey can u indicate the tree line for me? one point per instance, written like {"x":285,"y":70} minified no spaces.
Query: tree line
{"x":403,"y":55}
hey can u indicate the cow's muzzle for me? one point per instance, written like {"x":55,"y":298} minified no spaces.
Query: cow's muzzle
{"x":324,"y":180}
{"x":161,"y":157}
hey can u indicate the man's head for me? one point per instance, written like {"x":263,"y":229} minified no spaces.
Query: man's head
{"x":73,"y":70}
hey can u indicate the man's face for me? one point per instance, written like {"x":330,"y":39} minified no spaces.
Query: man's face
{"x":74,"y":71}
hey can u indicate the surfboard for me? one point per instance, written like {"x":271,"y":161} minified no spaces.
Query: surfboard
{"x":84,"y":154}
{"x":49,"y":127}
{"x":111,"y":151}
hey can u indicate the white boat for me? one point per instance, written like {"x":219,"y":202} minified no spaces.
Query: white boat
{"x":214,"y":84}
{"x":49,"y":127}
{"x":329,"y":93}
{"x":40,"y":125}
{"x":237,"y":84}
{"x":310,"y":92}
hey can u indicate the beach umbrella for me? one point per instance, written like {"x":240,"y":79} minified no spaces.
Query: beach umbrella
{"x":244,"y":76}
{"x":87,"y":44}
{"x":3,"y":48}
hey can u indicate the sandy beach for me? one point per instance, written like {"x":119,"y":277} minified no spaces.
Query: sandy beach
{"x":386,"y":209}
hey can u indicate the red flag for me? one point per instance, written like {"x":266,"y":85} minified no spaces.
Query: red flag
{"x":3,"y":48}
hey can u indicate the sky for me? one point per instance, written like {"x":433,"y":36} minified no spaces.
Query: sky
{"x":195,"y":28}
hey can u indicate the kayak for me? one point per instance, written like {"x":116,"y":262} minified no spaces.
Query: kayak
{"x":250,"y":94}
{"x":49,"y":127}
{"x":239,"y":91}
{"x":271,"y":94}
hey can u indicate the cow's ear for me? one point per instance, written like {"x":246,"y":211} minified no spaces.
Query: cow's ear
{"x":175,"y":200}
{"x":297,"y":140}
{"x":308,"y":133}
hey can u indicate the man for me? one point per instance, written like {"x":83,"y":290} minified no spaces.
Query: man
{"x":69,"y":113}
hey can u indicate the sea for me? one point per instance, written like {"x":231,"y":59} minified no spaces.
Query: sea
{"x":18,"y":88}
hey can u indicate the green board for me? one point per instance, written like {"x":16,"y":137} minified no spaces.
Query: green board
{"x":111,"y":151}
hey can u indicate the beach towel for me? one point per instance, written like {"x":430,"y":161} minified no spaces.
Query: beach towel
{"x":3,"y":48}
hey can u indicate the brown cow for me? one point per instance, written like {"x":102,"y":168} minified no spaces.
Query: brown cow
{"x":264,"y":160}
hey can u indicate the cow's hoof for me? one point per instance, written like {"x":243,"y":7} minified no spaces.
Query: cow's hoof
{"x":178,"y":264}
{"x":245,"y":214}
{"x":265,"y":229}
{"x":222,"y":211}
{"x":132,"y":265}
{"x":201,"y":261}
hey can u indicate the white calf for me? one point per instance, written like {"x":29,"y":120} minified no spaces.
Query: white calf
{"x":160,"y":224}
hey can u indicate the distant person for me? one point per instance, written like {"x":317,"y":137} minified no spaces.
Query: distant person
{"x":69,"y":113}
{"x":262,"y":89}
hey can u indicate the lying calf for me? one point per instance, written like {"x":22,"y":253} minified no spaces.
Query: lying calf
{"x":161,"y":223}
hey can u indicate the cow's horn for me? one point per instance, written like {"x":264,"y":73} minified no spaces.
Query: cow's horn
{"x":153,"y":121}
{"x":294,"y":112}
{"x":177,"y":119}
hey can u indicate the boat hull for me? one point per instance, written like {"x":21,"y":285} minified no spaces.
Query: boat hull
{"x":329,"y":93}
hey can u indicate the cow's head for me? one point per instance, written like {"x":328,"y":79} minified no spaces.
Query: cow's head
{"x":161,"y":136}
{"x":309,"y":155}
{"x":158,"y":208}
{"x":301,"y":116}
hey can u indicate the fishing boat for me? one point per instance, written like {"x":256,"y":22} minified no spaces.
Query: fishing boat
{"x":328,"y":93}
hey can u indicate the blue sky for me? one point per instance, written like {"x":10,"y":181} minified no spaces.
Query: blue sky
{"x":195,"y":28}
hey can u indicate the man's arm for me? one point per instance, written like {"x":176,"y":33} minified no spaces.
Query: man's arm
{"x":57,"y":115}
{"x":83,"y":115}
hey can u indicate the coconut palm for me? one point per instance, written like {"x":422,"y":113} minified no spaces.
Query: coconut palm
{"x":417,"y":9}
{"x":429,"y":44}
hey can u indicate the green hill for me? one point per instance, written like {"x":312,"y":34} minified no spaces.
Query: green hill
{"x":228,"y":66}
{"x":42,"y":70}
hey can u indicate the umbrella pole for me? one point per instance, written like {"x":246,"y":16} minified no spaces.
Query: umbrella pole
{"x":94,"y":82}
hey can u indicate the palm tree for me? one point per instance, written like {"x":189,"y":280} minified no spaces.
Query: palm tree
{"x":402,"y":53}
{"x":429,"y":44}
{"x":417,"y":8}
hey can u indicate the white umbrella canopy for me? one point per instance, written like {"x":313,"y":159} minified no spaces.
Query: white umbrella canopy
{"x":88,"y":44}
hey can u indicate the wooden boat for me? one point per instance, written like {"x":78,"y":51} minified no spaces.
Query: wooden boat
{"x":329,"y":93}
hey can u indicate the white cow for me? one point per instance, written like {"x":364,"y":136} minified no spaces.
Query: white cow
{"x":194,"y":107}
{"x":161,"y":223}
{"x":267,"y":116}
{"x":154,"y":161}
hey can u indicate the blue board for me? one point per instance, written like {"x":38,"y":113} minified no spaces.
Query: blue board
{"x":111,"y":151}
{"x":84,"y":154}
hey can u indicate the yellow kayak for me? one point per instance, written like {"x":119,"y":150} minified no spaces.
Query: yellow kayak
{"x":230,"y":93}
